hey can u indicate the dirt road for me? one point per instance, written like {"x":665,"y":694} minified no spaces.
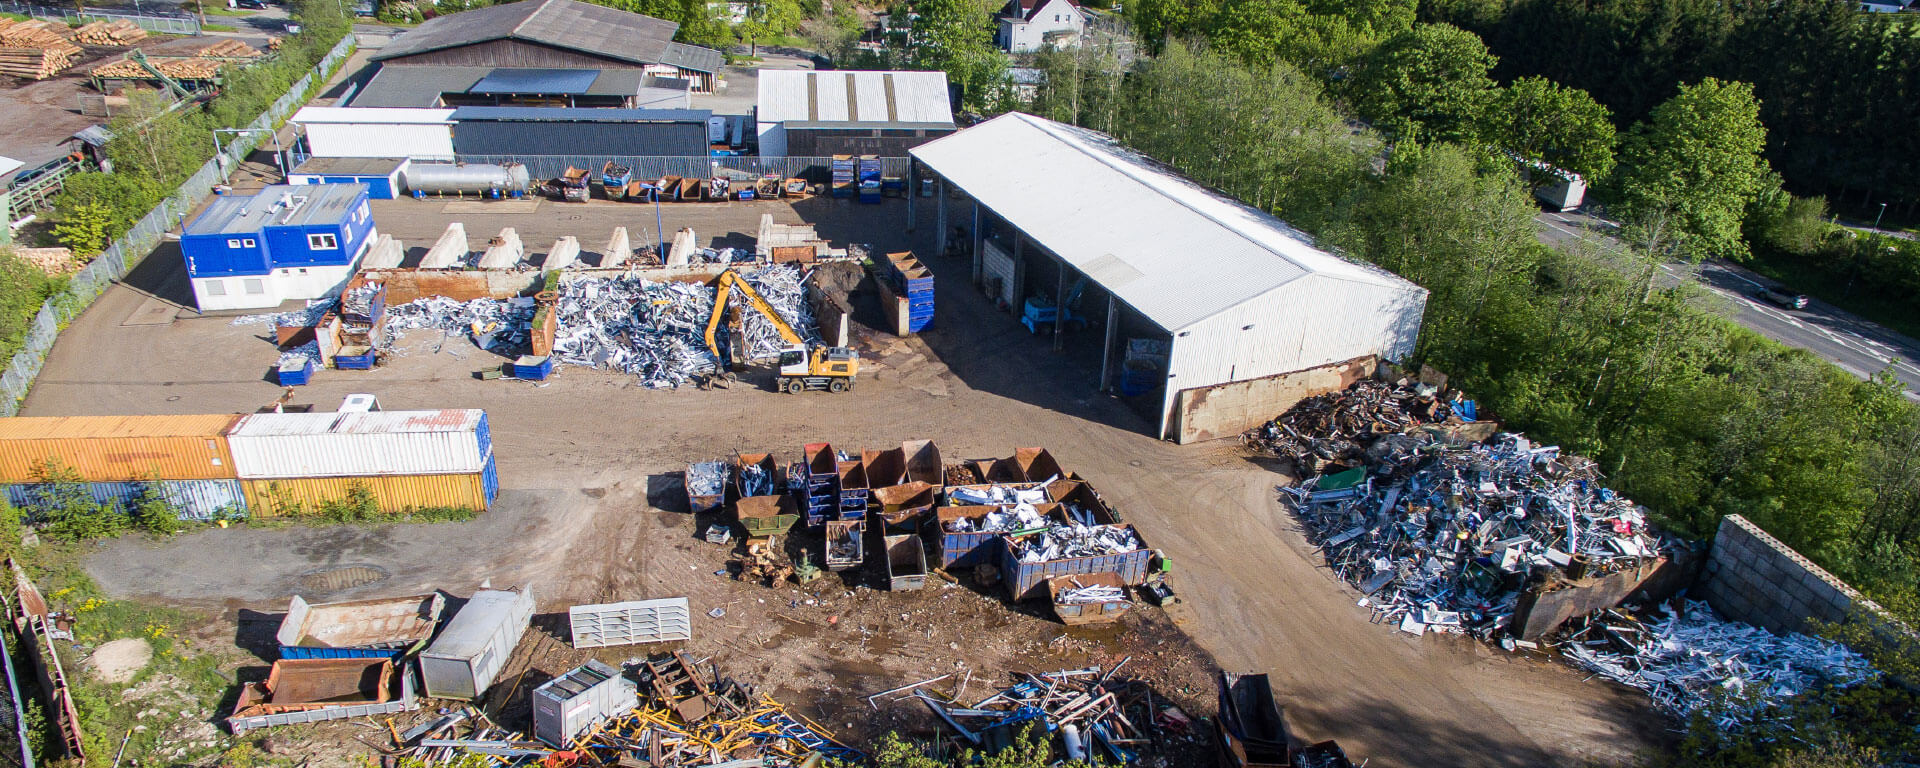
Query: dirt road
{"x":588,"y":461}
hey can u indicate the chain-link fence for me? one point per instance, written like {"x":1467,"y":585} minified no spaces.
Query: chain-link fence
{"x":164,"y":22}
{"x":113,"y":263}
{"x":815,"y":169}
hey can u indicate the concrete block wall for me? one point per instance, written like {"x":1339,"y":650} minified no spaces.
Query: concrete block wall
{"x":1752,"y":577}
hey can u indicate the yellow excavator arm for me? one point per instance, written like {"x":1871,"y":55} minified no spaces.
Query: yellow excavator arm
{"x":730,"y":281}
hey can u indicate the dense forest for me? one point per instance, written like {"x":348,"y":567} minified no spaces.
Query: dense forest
{"x":1839,"y":89}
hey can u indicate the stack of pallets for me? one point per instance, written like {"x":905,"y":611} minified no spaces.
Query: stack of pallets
{"x":118,"y":32}
{"x":34,"y":49}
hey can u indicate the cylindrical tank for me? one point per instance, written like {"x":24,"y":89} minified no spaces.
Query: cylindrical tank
{"x":459,"y":178}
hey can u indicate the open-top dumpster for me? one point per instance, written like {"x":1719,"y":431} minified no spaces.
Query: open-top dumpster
{"x":358,"y":629}
{"x":846,"y":544}
{"x":767,"y":515}
{"x":906,"y":562}
{"x":1088,"y":598}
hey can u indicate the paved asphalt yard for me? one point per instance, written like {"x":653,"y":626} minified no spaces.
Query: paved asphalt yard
{"x":588,"y":464}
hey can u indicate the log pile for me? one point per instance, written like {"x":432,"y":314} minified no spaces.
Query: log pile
{"x":32,"y":34}
{"x":229,"y":49}
{"x":119,"y":32}
{"x":176,"y":68}
{"x":36,"y":63}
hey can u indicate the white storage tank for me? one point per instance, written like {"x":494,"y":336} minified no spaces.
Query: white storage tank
{"x":573,"y":703}
{"x":476,"y":644}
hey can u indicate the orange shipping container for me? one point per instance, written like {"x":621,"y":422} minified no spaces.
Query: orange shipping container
{"x":112,"y":449}
{"x":392,"y":494}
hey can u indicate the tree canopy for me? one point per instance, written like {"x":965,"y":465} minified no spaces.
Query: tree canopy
{"x":1689,"y":172}
{"x":1427,"y":83}
{"x":1544,"y":121}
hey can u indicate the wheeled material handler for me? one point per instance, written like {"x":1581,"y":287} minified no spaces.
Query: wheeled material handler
{"x":801,"y":367}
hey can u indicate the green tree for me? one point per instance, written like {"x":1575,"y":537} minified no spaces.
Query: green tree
{"x":125,"y":196}
{"x":85,"y":228}
{"x":65,"y":503}
{"x":769,"y":18}
{"x":956,"y":37}
{"x":152,"y":512}
{"x":151,"y":142}
{"x":1157,"y":21}
{"x":1563,"y":127}
{"x":1687,"y":174}
{"x":1429,"y":83}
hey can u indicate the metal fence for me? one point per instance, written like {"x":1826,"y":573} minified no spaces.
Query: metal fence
{"x":37,"y":194}
{"x":113,"y":263}
{"x":816,"y":169}
{"x":157,"y":21}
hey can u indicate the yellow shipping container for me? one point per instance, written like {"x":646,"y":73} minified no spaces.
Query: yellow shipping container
{"x":112,"y":449}
{"x":392,"y":493}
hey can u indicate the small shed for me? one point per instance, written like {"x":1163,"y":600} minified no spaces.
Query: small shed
{"x":1205,"y":313}
{"x":806,"y":113}
{"x":382,"y":175}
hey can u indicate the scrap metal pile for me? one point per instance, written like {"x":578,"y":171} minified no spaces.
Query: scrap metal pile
{"x":782,"y":286}
{"x":1445,"y":539}
{"x":1060,"y":542}
{"x":1019,"y":517}
{"x":648,"y":329}
{"x":1097,"y":715}
{"x":1695,"y":660}
{"x":503,"y":326}
{"x":707,"y":478}
{"x":1335,"y":429}
{"x":728,"y":723}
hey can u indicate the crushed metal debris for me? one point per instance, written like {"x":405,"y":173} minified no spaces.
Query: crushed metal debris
{"x":1695,"y":660}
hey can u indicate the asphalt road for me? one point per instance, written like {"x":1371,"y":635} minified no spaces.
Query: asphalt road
{"x":1858,"y":346}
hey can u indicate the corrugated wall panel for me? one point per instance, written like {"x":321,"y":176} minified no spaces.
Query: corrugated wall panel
{"x":118,"y":448}
{"x":271,"y":498}
{"x":268,"y":446}
{"x":420,"y":142}
{"x":1310,"y":322}
{"x":191,"y":499}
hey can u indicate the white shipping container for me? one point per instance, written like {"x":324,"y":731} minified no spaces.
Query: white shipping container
{"x":294,"y":445}
{"x":462,"y":662}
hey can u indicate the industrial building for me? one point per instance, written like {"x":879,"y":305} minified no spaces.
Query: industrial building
{"x":428,"y":86}
{"x":1228,"y":314}
{"x":804,"y":113}
{"x":553,"y":34}
{"x":384,"y":176}
{"x":285,"y":243}
{"x":607,"y":132}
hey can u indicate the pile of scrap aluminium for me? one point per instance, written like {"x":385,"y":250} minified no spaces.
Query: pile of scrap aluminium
{"x":1335,"y":430}
{"x":1097,"y":714}
{"x":1445,"y":537}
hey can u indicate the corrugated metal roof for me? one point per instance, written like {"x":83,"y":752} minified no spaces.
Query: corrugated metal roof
{"x":566,"y":24}
{"x":407,"y":85}
{"x":376,"y":422}
{"x":582,"y":115}
{"x":546,"y":82}
{"x":350,"y":166}
{"x":279,"y":205}
{"x":853,"y":96}
{"x":368,"y":116}
{"x":616,"y":82}
{"x":1173,"y":250}
{"x":72,"y":427}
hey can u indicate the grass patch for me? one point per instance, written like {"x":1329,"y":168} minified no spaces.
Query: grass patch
{"x":180,"y":678}
{"x":16,"y":16}
{"x":219,"y":27}
{"x":1829,"y":284}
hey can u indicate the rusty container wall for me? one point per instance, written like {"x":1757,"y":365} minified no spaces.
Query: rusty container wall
{"x":885,"y":468}
{"x":118,"y":448}
{"x":923,"y":462}
{"x":1076,"y":614}
{"x":393,"y":493}
{"x":906,"y":562}
{"x":304,"y":683}
{"x":1078,"y":495}
{"x":765,"y":461}
{"x":1037,"y":465}
{"x":1001,"y":471}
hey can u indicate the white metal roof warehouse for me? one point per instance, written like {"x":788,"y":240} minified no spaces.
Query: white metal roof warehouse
{"x":1256,"y":315}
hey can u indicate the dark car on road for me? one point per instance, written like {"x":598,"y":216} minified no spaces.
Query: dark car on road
{"x":251,"y":5}
{"x":1782,"y":298}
